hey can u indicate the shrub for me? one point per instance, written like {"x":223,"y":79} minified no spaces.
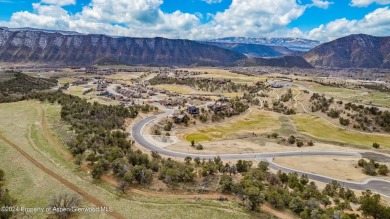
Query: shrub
{"x":383,"y":170}
{"x":291,"y":139}
{"x":344,"y":122}
{"x":375,"y":145}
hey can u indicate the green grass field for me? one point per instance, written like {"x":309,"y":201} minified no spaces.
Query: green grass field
{"x":352,"y":95}
{"x":91,"y":96}
{"x":182,"y":89}
{"x":318,"y":128}
{"x":257,"y":121}
{"x":225,"y":74}
{"x":21,"y":123}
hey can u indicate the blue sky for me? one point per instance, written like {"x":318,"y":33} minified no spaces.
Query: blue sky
{"x":203,"y":19}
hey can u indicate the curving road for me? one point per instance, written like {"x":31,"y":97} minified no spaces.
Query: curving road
{"x":380,"y":186}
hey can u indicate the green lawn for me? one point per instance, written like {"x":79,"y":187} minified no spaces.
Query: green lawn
{"x":181,"y":89}
{"x":318,"y":128}
{"x":257,"y":121}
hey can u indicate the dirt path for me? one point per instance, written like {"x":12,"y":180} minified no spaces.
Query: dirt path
{"x":65,"y":182}
{"x":51,"y":138}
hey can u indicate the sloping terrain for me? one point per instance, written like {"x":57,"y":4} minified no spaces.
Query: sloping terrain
{"x":354,"y":51}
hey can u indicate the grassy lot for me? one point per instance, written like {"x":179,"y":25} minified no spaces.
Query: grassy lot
{"x":318,"y":128}
{"x":5,"y":76}
{"x":91,"y":96}
{"x":66,"y":80}
{"x":33,"y":188}
{"x":225,"y":74}
{"x":182,"y":89}
{"x":352,"y":95}
{"x":125,"y":76}
{"x":257,"y":121}
{"x":374,"y":98}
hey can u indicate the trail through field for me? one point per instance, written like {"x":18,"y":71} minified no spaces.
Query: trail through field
{"x":51,"y":138}
{"x":65,"y":182}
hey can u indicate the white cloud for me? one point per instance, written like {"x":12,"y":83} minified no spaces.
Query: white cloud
{"x":246,"y":18}
{"x":375,"y":23}
{"x":59,"y":2}
{"x":144,"y":18}
{"x":212,"y":1}
{"x":321,"y":4}
{"x":365,"y":3}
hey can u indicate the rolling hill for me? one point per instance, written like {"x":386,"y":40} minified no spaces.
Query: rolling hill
{"x":354,"y":51}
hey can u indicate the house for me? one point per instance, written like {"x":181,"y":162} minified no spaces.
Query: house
{"x":180,"y":118}
{"x":217,"y":107}
{"x":193,"y":110}
{"x":104,"y":93}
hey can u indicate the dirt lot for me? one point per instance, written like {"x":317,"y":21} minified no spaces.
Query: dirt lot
{"x":344,"y":168}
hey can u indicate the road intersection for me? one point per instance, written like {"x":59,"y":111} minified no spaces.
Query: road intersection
{"x":377,"y":185}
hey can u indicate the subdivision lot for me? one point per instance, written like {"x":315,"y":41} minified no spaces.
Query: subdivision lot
{"x":318,"y":128}
{"x":344,"y":168}
{"x":182,"y":89}
{"x":225,"y":74}
{"x":351,"y":95}
{"x":257,"y":121}
{"x":91,"y":96}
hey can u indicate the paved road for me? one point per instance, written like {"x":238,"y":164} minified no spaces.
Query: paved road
{"x":377,"y":185}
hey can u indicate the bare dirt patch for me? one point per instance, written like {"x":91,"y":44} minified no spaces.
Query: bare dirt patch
{"x":344,"y":168}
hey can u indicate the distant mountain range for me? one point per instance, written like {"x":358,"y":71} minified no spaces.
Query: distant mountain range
{"x":295,"y":44}
{"x":285,"y":61}
{"x":257,"y":50}
{"x":49,"y":47}
{"x":354,"y":51}
{"x":67,"y":48}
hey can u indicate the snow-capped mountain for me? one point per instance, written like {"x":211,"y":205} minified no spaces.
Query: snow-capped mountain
{"x":297,"y":44}
{"x":63,"y":32}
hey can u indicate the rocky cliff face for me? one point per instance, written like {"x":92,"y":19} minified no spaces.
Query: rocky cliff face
{"x":354,"y":51}
{"x":59,"y":48}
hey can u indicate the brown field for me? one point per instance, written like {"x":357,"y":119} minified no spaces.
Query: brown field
{"x":344,"y":168}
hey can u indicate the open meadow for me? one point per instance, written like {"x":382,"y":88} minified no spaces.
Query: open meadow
{"x":257,"y":121}
{"x":318,"y":128}
{"x":352,"y":95}
{"x":225,"y":74}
